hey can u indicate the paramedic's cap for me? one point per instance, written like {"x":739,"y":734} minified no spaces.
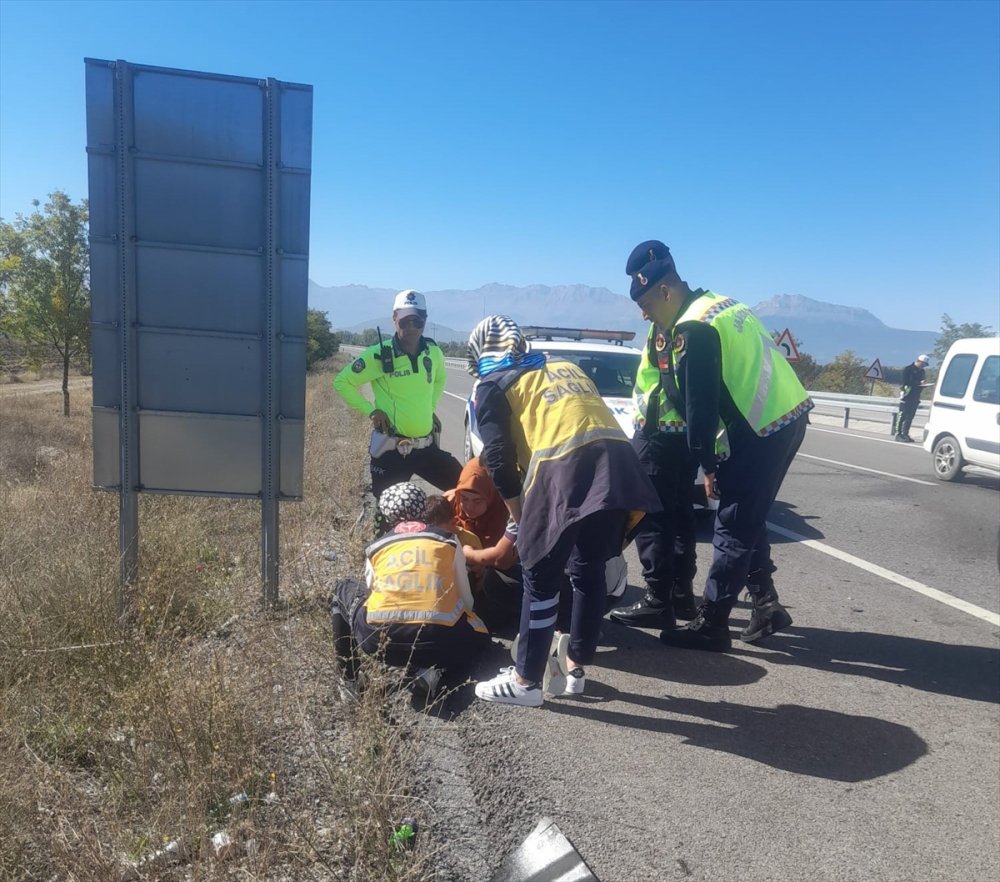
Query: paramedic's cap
{"x":409,"y":302}
{"x":923,"y":358}
{"x":648,"y":263}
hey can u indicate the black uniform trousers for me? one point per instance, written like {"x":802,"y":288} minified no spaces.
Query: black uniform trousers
{"x":907,"y":410}
{"x":665,"y":540}
{"x":436,"y":466}
{"x":748,"y":481}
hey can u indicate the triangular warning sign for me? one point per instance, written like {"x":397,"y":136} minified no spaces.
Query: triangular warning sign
{"x":875,"y":371}
{"x":787,"y":346}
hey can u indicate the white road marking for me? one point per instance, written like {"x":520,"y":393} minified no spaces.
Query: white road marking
{"x":920,"y":588}
{"x":459,"y":397}
{"x":916,"y":445}
{"x":848,"y":465}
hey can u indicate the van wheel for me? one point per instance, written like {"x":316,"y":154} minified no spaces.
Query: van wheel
{"x":947,"y":459}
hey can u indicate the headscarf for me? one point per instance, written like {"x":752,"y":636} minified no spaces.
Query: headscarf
{"x":497,"y":343}
{"x":401,"y":502}
{"x":490,"y":525}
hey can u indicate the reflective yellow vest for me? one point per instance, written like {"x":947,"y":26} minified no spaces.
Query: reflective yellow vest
{"x":413,"y":581}
{"x":557,"y":409}
{"x":647,"y":378}
{"x":762,"y":384}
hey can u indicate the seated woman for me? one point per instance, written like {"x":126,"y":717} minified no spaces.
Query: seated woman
{"x":480,"y":511}
{"x":415,"y":607}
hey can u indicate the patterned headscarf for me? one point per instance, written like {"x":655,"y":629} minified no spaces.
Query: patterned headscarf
{"x":496,"y":343}
{"x":402,"y":502}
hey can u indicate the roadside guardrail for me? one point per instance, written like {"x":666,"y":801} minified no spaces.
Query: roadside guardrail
{"x":861,"y":402}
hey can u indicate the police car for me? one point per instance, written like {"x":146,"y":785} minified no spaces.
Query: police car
{"x":610,"y":364}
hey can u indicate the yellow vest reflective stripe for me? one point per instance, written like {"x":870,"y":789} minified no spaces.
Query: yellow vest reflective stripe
{"x":414,"y":581}
{"x":762,"y":384}
{"x":557,"y":409}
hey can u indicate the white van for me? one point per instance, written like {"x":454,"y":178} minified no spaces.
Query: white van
{"x":964,"y":425}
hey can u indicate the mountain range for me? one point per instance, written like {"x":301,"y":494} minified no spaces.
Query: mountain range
{"x":823,"y":330}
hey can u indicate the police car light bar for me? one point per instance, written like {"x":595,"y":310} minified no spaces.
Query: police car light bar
{"x":533,"y":332}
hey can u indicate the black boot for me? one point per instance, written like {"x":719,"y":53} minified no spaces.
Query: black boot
{"x":768,"y":614}
{"x":709,"y":630}
{"x":650,"y":612}
{"x":683,"y":601}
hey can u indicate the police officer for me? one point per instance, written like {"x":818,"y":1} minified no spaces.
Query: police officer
{"x":744,"y":409}
{"x":909,"y":397}
{"x":569,"y":478}
{"x":407,"y":376}
{"x":664,"y":541}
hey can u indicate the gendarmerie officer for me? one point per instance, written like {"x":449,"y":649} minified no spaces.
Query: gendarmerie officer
{"x":664,"y":540}
{"x":407,"y":377}
{"x":745,"y":411}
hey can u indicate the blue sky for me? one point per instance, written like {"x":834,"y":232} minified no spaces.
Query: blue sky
{"x":849,"y":152}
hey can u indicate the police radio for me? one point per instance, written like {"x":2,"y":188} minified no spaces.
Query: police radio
{"x":384,"y":353}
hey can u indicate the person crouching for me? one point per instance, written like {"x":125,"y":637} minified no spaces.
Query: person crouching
{"x":415,"y":608}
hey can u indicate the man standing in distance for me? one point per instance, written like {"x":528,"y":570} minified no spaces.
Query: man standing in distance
{"x":744,"y":406}
{"x":909,"y":397}
{"x":407,"y":377}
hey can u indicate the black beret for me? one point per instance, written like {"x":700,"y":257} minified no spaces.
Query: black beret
{"x":648,"y":263}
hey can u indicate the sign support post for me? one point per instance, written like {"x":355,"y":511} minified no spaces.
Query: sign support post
{"x":271,"y":389}
{"x":128,"y":428}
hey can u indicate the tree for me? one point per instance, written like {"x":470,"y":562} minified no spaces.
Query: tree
{"x":950,"y":332}
{"x":321,"y":342}
{"x":45,"y":281}
{"x":846,"y":373}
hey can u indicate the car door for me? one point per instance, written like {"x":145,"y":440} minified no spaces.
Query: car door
{"x":982,"y":415}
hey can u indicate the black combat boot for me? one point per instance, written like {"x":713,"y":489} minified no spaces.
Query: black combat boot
{"x":683,"y":600}
{"x":768,"y":614}
{"x":709,"y":630}
{"x":650,"y":612}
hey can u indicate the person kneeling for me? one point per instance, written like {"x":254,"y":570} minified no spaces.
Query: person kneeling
{"x":415,"y":608}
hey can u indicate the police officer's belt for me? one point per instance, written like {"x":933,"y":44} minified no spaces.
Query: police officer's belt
{"x":382,"y":444}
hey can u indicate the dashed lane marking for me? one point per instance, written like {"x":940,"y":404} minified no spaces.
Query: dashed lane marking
{"x":919,"y":587}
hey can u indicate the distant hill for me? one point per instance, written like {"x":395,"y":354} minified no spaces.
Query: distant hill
{"x":827,"y":329}
{"x":824,"y":329}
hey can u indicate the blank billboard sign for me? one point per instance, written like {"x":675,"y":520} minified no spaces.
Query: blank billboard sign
{"x":199,"y":229}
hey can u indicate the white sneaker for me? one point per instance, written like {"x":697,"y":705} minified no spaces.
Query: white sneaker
{"x":504,"y":689}
{"x":576,"y":680}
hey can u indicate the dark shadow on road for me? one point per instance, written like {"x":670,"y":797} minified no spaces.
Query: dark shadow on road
{"x":802,"y":740}
{"x":784,"y":514}
{"x":640,"y":652}
{"x":961,"y":671}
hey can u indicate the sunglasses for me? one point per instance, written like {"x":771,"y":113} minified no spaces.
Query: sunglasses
{"x":412,"y":321}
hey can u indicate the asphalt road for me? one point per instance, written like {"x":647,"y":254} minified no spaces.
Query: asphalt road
{"x":861,"y":744}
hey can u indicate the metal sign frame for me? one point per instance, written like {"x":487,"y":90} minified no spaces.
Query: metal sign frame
{"x":157,"y":428}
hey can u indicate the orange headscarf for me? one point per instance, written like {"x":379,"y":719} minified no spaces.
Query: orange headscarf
{"x":490,"y":525}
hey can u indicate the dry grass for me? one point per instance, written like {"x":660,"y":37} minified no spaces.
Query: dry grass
{"x":115,"y":741}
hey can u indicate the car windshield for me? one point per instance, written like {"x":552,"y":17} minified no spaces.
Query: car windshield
{"x":612,"y":372}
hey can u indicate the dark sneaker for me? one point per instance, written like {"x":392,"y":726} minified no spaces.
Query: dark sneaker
{"x":650,"y":612}
{"x":900,"y":438}
{"x":707,"y":631}
{"x":767,"y":617}
{"x":683,"y":602}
